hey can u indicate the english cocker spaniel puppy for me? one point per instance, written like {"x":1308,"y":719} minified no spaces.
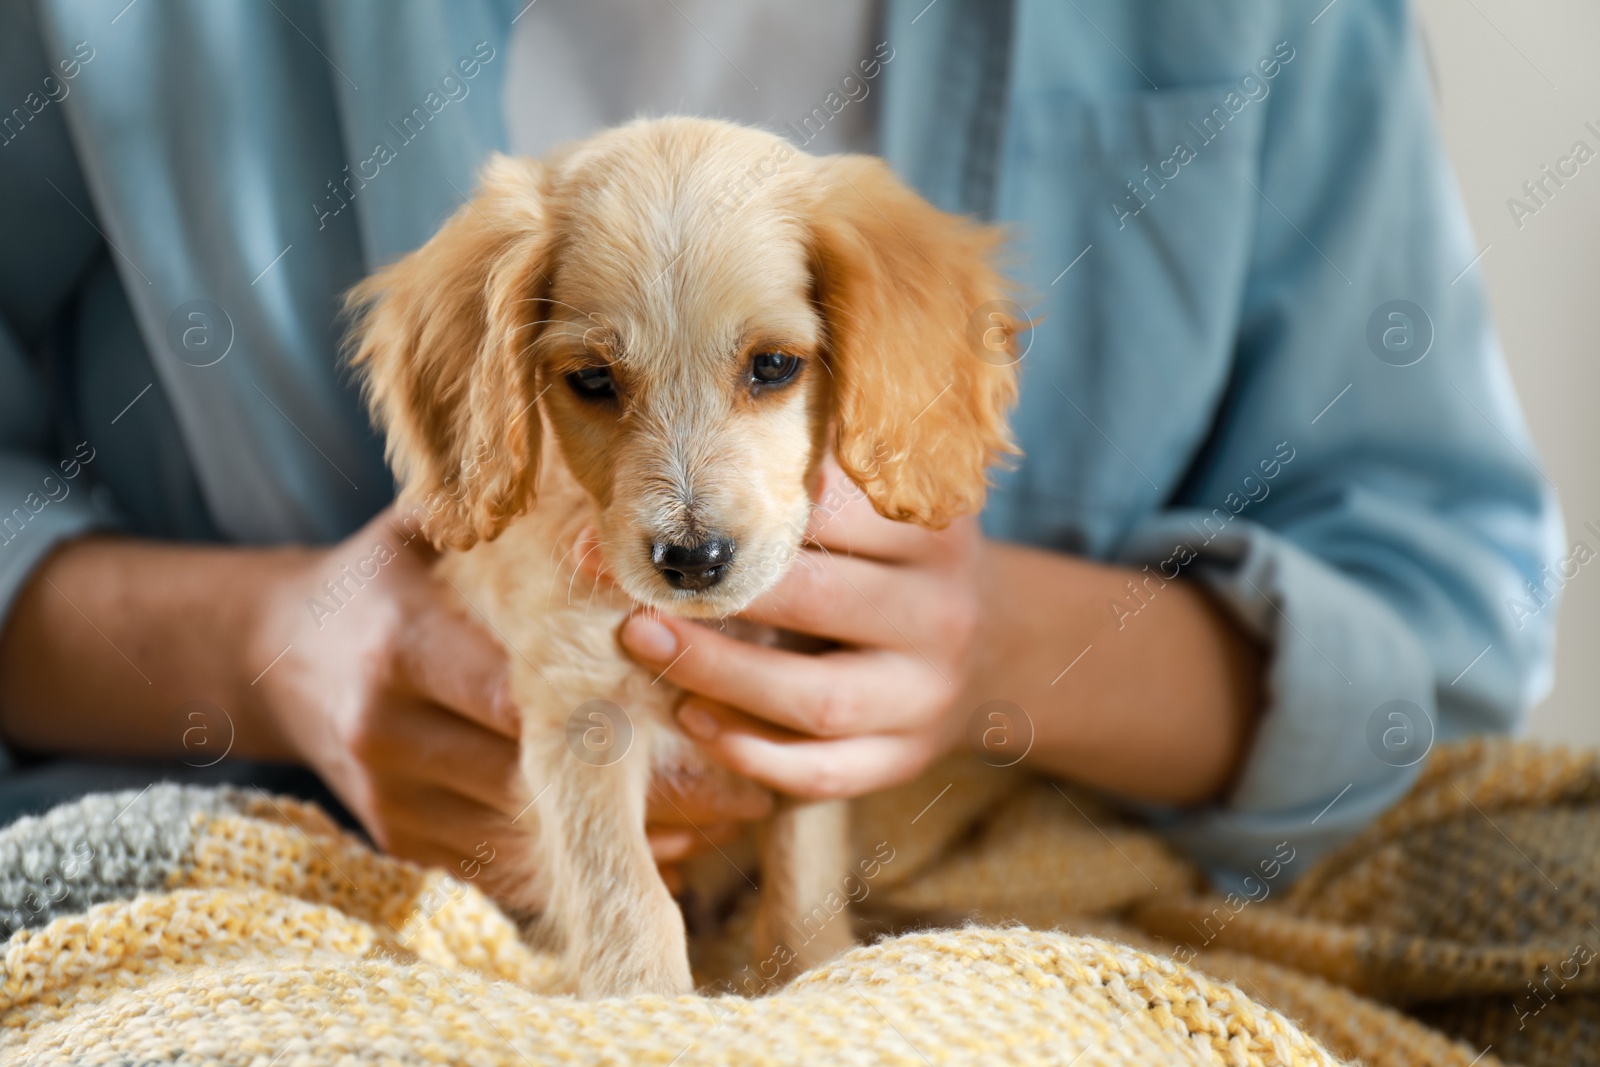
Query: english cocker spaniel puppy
{"x":659,"y":332}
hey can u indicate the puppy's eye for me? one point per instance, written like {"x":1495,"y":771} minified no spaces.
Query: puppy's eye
{"x":592,"y":382}
{"x":774,"y":368}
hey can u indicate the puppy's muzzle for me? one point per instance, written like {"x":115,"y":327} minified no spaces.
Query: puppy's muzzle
{"x":693,"y":567}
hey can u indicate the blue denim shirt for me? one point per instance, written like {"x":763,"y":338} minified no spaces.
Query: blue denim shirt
{"x":1263,"y":356}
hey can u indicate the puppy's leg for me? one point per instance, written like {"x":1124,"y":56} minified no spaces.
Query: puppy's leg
{"x":621,"y":930}
{"x":804,"y":916}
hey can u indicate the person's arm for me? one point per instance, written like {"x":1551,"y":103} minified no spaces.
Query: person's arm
{"x":1369,"y":506}
{"x":381,"y":685}
{"x":396,"y":699}
{"x":110,"y":636}
{"x":1163,"y":712}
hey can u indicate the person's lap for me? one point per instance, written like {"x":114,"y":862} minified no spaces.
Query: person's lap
{"x":33,"y":788}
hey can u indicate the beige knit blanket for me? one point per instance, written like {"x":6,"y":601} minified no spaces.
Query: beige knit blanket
{"x":190,"y":926}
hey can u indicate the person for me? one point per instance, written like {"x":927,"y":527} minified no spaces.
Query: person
{"x":1275,"y":495}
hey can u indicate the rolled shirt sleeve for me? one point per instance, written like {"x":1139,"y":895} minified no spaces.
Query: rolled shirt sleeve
{"x":44,"y":499}
{"x":27,"y":536}
{"x":1369,"y":506}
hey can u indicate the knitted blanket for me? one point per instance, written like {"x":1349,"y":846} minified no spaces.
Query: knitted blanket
{"x":1011,"y":920}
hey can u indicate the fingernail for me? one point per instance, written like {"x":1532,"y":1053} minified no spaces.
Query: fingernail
{"x":698,"y":722}
{"x":648,"y":639}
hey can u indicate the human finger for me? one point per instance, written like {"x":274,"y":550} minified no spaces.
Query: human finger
{"x":843,"y":520}
{"x":457,"y":663}
{"x":672,"y":846}
{"x":686,"y":801}
{"x":439,"y":827}
{"x":834,"y":694}
{"x":424,"y":743}
{"x":810,"y":768}
{"x":854,"y":601}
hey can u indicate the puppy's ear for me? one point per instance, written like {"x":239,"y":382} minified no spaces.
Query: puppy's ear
{"x":920,"y":344}
{"x":441,"y":341}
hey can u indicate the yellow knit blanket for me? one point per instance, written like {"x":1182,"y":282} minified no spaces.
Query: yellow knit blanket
{"x":188,"y":926}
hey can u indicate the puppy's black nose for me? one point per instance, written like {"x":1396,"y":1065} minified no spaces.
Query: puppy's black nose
{"x":693,"y":566}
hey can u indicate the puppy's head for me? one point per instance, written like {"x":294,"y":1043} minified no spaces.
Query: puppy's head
{"x":700,"y":312}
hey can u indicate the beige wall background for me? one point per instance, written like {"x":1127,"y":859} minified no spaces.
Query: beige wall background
{"x":1517,"y":80}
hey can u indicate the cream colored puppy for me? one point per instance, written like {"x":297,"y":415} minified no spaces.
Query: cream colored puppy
{"x":659,"y":332}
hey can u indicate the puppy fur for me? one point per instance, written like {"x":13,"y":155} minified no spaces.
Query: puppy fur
{"x":626,"y":254}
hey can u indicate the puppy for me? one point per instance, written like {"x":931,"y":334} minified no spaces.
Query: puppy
{"x":659,"y":332}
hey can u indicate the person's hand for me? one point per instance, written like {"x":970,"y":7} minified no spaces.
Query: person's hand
{"x":398,"y":701}
{"x":902,"y":602}
{"x":684,"y":817}
{"x":402,"y":704}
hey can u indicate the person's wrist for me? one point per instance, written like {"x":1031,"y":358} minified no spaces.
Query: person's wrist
{"x":269,"y":628}
{"x":983,"y":657}
{"x":1003,"y":661}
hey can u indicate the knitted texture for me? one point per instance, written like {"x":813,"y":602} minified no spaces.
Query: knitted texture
{"x":1474,"y":904}
{"x":104,"y":847}
{"x":209,"y":926}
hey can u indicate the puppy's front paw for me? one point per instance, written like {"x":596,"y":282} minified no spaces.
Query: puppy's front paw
{"x":635,"y":976}
{"x":624,"y":940}
{"x":646,"y":953}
